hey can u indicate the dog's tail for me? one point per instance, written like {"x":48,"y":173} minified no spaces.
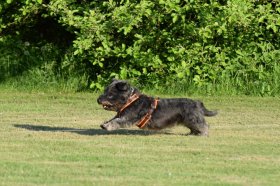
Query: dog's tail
{"x":207,"y":112}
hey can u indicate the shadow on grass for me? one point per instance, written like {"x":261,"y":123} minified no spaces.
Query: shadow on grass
{"x":90,"y":132}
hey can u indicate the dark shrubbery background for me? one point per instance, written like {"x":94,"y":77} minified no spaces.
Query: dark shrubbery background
{"x":189,"y":46}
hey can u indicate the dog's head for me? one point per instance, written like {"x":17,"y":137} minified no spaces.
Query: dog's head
{"x":116,"y":95}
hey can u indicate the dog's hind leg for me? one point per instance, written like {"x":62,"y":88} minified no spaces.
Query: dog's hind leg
{"x":197,"y":124}
{"x":199,"y":129}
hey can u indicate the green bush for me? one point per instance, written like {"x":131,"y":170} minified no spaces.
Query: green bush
{"x":210,"y":46}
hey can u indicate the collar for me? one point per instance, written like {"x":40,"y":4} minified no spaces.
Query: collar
{"x":143,"y":122}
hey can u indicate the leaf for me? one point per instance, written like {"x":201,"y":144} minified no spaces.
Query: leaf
{"x":180,"y":75}
{"x":261,"y":19}
{"x":175,"y":18}
{"x":97,"y":86}
{"x":40,"y":1}
{"x":239,"y":52}
{"x":184,"y":64}
{"x":197,"y":78}
{"x":274,"y":28}
{"x":144,"y":70}
{"x":123,"y":73}
{"x":76,"y":52}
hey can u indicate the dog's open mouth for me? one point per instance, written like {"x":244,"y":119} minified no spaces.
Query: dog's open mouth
{"x":107,"y":106}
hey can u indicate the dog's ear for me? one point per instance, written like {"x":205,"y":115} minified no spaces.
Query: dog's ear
{"x":122,"y":86}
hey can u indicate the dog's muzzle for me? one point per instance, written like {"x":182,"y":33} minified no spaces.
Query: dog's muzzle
{"x":107,"y":106}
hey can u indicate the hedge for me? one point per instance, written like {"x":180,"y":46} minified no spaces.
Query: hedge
{"x":157,"y":43}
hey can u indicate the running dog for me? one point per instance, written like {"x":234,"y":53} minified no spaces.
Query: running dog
{"x":146,"y":112}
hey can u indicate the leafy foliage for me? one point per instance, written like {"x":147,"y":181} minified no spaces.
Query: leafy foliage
{"x":157,"y":43}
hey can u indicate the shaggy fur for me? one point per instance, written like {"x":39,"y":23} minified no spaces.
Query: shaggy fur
{"x":168,"y":112}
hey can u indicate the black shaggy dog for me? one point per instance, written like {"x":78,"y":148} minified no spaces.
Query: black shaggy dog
{"x":147,"y":112}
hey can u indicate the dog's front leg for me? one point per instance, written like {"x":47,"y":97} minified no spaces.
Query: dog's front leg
{"x":116,"y":123}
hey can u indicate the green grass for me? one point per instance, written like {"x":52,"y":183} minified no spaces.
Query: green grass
{"x":55,"y":139}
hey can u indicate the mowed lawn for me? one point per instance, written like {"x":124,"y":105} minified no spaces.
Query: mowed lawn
{"x":55,"y":139}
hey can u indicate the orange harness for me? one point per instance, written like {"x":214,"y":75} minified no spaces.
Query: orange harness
{"x":142,"y":123}
{"x":130,"y":100}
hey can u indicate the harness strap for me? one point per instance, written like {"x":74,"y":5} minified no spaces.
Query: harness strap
{"x":131,"y":99}
{"x":142,"y":123}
